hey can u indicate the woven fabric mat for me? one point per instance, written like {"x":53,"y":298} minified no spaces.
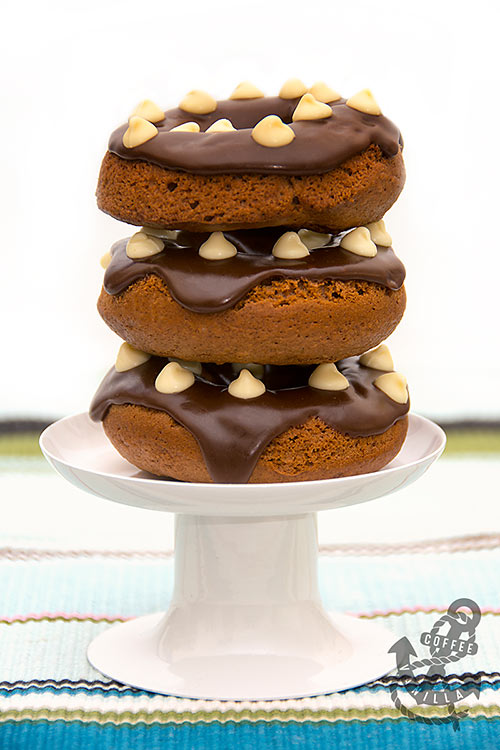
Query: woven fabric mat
{"x":53,"y":602}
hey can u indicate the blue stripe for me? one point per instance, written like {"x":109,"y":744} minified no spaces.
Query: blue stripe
{"x":135,"y":587}
{"x":370,"y":735}
{"x":97,"y":690}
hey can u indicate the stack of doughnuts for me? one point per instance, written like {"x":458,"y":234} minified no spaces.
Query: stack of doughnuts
{"x":255,"y":296}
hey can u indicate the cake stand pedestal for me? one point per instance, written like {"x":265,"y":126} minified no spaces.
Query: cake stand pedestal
{"x":246,"y":620}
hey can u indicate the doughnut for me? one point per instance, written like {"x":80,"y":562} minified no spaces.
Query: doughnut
{"x":253,"y":306}
{"x":244,"y":163}
{"x":255,"y":297}
{"x":260,"y":423}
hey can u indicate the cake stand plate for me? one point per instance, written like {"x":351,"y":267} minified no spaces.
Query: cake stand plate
{"x":246,"y":620}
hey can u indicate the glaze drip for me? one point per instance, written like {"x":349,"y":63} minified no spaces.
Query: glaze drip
{"x":206,"y":286}
{"x":232,"y":433}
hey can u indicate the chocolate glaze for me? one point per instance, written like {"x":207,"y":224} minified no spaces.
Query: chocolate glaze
{"x":319,"y":145}
{"x":232,"y":433}
{"x":205,"y":286}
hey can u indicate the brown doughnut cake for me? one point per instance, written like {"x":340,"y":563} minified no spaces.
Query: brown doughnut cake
{"x":253,"y":306}
{"x":287,"y":424}
{"x":336,"y":168}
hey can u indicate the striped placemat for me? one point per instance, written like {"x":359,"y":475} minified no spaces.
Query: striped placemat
{"x":19,"y":437}
{"x":54,"y":602}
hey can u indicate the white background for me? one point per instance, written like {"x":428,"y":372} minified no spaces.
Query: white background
{"x":72,"y":72}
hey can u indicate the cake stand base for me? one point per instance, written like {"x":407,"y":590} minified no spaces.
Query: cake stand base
{"x":128,"y":653}
{"x":246,"y":620}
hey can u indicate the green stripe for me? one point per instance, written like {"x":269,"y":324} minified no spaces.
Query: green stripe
{"x":472,"y":441}
{"x":164,"y":717}
{"x":20,"y":444}
{"x":23,"y":620}
{"x":25,"y":445}
{"x":458,"y":442}
{"x":62,"y":618}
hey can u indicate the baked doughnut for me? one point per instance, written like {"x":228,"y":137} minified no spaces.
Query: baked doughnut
{"x":340,"y":169}
{"x":207,"y":423}
{"x":253,"y":306}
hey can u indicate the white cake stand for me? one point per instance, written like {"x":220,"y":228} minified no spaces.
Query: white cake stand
{"x":246,"y":619}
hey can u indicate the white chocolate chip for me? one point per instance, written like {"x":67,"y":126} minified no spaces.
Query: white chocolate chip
{"x":379,"y":358}
{"x":217,"y":247}
{"x":310,"y":108}
{"x":174,"y":379}
{"x":312,"y":239}
{"x":379,"y":233}
{"x":164,"y":234}
{"x":195,"y":367}
{"x":129,"y":357}
{"x":149,"y":111}
{"x":198,"y":102}
{"x":292,"y":89}
{"x":106,"y":259}
{"x":186,"y":127}
{"x":246,"y":386}
{"x":246,"y":90}
{"x":364,"y":101}
{"x":220,"y":126}
{"x":255,"y":369}
{"x":138,"y":132}
{"x":326,"y":377}
{"x":393,"y":384}
{"x":359,"y":242}
{"x":271,"y":131}
{"x":141,"y":246}
{"x":290,"y":245}
{"x":324,"y":93}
